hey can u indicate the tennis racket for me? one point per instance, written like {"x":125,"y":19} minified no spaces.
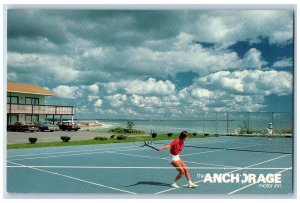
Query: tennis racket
{"x":140,"y":142}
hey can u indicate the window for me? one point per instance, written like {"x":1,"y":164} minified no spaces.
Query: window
{"x":12,"y":99}
{"x":32,"y":118}
{"x":27,"y":100}
{"x":33,"y":101}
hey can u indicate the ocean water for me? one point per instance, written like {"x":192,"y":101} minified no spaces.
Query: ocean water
{"x":193,"y":126}
{"x":160,"y":126}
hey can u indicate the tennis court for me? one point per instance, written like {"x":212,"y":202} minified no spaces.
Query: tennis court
{"x":127,"y":169}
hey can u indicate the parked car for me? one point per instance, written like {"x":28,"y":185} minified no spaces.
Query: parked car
{"x":68,"y":126}
{"x":23,"y":126}
{"x":46,"y":125}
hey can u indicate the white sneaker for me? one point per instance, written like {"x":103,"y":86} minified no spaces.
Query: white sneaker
{"x":174,"y":185}
{"x":193,"y":185}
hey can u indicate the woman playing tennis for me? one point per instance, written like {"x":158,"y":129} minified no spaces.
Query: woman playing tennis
{"x":176,"y":147}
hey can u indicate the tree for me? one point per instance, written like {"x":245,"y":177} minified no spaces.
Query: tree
{"x":130,"y":124}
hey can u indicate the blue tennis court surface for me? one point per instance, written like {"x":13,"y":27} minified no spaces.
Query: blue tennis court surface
{"x":220,"y":165}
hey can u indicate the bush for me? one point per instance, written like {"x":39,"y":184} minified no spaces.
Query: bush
{"x":100,"y":138}
{"x":126,"y":130}
{"x":170,"y":134}
{"x":65,"y":138}
{"x":32,"y":140}
{"x":206,"y":134}
{"x":153,"y":135}
{"x":121,"y":137}
{"x":112,"y":137}
{"x":194,"y":134}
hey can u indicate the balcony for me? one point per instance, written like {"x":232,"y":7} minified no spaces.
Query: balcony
{"x":39,"y":109}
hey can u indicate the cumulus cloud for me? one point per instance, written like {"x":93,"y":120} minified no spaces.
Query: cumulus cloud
{"x":136,"y":57}
{"x":94,"y":88}
{"x":142,"y":101}
{"x":228,"y":26}
{"x":117,"y":100}
{"x":92,"y":97}
{"x":150,"y":86}
{"x":98,"y":103}
{"x":68,"y":92}
{"x":202,"y":93}
{"x":252,"y":82}
{"x":252,"y":60}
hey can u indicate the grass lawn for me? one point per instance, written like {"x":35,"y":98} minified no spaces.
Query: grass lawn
{"x":92,"y":142}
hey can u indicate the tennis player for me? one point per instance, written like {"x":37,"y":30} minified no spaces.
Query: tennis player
{"x":270,"y":131}
{"x":176,"y":147}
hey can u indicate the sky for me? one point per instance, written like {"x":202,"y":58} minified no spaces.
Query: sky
{"x":155,"y":64}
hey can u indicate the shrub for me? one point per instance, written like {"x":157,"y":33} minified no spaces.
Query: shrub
{"x":121,"y":137}
{"x":153,"y":135}
{"x":194,"y":134}
{"x":206,"y":134}
{"x":170,"y":134}
{"x":112,"y":137}
{"x":126,"y":130}
{"x":100,"y":138}
{"x":32,"y":140}
{"x":65,"y":138}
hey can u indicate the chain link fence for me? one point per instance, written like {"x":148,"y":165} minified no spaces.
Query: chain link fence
{"x":246,"y":122}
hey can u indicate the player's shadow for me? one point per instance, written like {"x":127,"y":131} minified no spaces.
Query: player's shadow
{"x":155,"y":183}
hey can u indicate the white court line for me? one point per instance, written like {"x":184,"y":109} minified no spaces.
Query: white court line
{"x":231,"y":171}
{"x":113,"y":152}
{"x":170,"y":159}
{"x":143,"y":167}
{"x":73,"y":178}
{"x":79,"y":154}
{"x":102,"y":149}
{"x":65,"y":152}
{"x":255,"y":183}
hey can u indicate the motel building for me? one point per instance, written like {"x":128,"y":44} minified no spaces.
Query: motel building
{"x":26,"y":102}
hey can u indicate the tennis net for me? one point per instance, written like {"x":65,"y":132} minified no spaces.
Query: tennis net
{"x":277,"y":145}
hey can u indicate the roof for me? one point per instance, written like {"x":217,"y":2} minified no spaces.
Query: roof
{"x":28,"y":88}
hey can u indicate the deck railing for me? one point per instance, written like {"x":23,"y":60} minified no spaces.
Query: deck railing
{"x":40,"y":109}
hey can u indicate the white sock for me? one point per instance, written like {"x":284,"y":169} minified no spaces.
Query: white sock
{"x":190,"y":182}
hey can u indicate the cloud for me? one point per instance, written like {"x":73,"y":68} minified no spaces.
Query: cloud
{"x":92,"y":97}
{"x":94,"y":88}
{"x":250,"y":82}
{"x":117,"y":100}
{"x":252,"y":60}
{"x":202,"y":93}
{"x":150,"y":86}
{"x":230,"y":26}
{"x":67,"y":92}
{"x":98,"y":103}
{"x":286,"y":62}
{"x":142,"y":101}
{"x":136,"y":58}
{"x":52,"y":68}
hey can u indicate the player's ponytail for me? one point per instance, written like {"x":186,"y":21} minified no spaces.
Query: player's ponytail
{"x":183,"y":134}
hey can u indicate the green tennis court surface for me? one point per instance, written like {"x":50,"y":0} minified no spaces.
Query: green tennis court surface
{"x":220,"y":165}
